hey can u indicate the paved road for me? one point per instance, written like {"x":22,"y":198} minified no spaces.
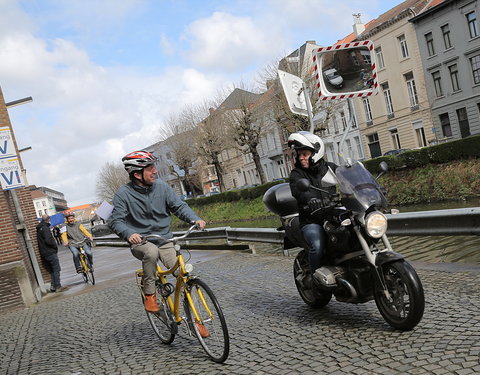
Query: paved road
{"x":272,"y":331}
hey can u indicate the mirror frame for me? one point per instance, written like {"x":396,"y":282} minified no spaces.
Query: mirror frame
{"x":323,"y":92}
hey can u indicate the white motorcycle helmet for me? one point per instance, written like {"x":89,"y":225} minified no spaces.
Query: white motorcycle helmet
{"x":307,"y":140}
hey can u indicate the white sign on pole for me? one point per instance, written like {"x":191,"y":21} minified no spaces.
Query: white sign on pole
{"x":10,"y":174}
{"x":293,"y":88}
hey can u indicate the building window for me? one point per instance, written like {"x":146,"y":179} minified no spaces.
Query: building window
{"x":374,"y":145}
{"x":403,"y":46}
{"x":412,"y":90}
{"x":430,"y":47}
{"x":472,"y":24}
{"x":475,"y":61}
{"x":445,"y":124}
{"x":379,"y":55}
{"x":420,"y":133}
{"x":437,"y":82}
{"x":366,"y":57}
{"x":446,"y":36}
{"x":463,"y":122}
{"x":344,"y":120}
{"x":395,"y":139}
{"x":454,"y":77}
{"x":368,"y":111}
{"x":358,"y":147}
{"x":388,"y":100}
{"x":335,"y":124}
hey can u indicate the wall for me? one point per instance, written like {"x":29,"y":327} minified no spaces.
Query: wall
{"x":18,"y":284}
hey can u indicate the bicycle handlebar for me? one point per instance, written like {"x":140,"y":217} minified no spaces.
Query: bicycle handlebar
{"x":173,"y":239}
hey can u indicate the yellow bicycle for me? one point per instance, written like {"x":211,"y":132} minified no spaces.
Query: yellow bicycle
{"x":192,"y":297}
{"x":87,"y":268}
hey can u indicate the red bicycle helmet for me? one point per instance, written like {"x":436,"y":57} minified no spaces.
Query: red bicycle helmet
{"x":137,"y":160}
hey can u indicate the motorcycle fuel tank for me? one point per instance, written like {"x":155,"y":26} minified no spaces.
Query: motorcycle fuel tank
{"x":280,"y":201}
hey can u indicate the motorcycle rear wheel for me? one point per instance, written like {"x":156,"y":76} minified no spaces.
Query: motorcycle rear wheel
{"x":301,"y":271}
{"x":404,"y":309}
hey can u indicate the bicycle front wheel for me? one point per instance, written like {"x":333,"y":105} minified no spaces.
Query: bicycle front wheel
{"x":162,"y":321}
{"x":83,"y":263}
{"x":89,"y":273}
{"x":209,"y":325}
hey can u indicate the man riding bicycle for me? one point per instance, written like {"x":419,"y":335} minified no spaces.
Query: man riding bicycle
{"x":74,"y":234}
{"x":142,"y":207}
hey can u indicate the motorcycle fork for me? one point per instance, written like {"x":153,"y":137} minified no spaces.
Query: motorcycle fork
{"x":371,"y":259}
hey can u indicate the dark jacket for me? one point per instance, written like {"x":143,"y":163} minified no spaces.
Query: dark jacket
{"x":46,"y":242}
{"x":314,"y":174}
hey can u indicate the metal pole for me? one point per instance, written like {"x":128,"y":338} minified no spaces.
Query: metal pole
{"x":306,"y":93}
{"x":347,"y":130}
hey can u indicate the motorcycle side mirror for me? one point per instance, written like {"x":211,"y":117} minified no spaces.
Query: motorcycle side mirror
{"x":345,"y":71}
{"x":303,"y":185}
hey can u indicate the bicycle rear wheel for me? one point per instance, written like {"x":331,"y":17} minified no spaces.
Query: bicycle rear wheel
{"x":211,"y":328}
{"x":162,"y":322}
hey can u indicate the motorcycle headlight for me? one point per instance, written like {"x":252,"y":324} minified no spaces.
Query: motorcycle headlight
{"x":376,"y":224}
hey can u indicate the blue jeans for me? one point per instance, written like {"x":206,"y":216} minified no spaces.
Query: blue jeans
{"x":315,"y":238}
{"x":54,"y":269}
{"x":76,"y":254}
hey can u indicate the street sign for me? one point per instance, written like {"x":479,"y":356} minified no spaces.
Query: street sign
{"x":10,"y":173}
{"x":293,"y":89}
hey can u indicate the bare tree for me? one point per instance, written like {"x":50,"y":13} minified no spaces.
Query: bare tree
{"x":110,"y":177}
{"x":178,"y":131}
{"x":245,"y":121}
{"x":211,"y":139}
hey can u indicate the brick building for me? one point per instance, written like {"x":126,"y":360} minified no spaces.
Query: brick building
{"x":21,"y":272}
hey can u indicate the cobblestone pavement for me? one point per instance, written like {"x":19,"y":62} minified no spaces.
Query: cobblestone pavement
{"x":272,"y":331}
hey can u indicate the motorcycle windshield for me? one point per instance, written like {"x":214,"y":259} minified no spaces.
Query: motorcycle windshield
{"x":359,"y":189}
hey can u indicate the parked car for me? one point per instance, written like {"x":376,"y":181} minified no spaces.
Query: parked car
{"x":395,"y":152}
{"x":333,"y":77}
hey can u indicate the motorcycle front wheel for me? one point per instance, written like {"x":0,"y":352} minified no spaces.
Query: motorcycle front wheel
{"x":403,"y":309}
{"x":301,"y":271}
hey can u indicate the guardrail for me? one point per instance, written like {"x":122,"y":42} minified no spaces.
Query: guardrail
{"x":460,"y":221}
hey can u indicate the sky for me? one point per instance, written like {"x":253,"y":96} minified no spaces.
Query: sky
{"x":105,"y":75}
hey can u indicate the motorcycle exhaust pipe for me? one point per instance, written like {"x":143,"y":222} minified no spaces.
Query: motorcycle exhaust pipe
{"x":348,"y":286}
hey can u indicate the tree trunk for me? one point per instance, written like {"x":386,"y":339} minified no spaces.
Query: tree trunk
{"x":258,"y":165}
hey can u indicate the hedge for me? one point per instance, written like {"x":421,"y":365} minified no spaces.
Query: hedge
{"x":461,"y":149}
{"x":234,"y":195}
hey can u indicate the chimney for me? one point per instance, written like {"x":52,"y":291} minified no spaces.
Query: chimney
{"x":358,"y":26}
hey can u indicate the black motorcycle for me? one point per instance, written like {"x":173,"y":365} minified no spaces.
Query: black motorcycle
{"x":359,"y":264}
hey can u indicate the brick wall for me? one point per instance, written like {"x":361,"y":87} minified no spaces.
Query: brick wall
{"x":15,"y":264}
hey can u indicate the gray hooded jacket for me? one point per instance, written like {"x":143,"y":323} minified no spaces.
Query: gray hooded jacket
{"x":147,"y":210}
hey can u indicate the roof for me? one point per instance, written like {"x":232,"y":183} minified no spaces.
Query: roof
{"x":237,"y":98}
{"x":404,"y":9}
{"x":351,"y":37}
{"x":37,"y":194}
{"x":431,"y":7}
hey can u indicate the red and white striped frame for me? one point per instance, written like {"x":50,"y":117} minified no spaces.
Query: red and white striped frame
{"x":323,"y":93}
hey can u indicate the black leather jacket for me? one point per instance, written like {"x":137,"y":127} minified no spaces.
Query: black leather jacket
{"x":314,"y":174}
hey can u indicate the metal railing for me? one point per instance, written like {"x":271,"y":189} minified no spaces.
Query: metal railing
{"x":452,"y":222}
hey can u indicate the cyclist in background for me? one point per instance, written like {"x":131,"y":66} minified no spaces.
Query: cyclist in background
{"x":143,"y":206}
{"x":75,"y":233}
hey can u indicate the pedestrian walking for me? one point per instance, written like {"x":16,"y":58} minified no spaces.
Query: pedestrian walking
{"x":49,"y":253}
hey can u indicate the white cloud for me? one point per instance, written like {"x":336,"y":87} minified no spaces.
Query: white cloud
{"x":166,"y":45}
{"x":228,"y":43}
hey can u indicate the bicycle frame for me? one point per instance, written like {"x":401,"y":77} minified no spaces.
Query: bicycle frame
{"x":181,"y":282}
{"x":180,"y":286}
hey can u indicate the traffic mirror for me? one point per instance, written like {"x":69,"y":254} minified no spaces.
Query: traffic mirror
{"x":345,"y":71}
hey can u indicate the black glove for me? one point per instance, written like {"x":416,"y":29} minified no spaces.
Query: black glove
{"x":314,"y":204}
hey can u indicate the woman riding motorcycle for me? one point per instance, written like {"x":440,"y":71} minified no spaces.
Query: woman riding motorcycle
{"x":312,"y":204}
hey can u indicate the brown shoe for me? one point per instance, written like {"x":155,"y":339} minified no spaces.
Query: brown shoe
{"x":151,"y":303}
{"x":202,"y":330}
